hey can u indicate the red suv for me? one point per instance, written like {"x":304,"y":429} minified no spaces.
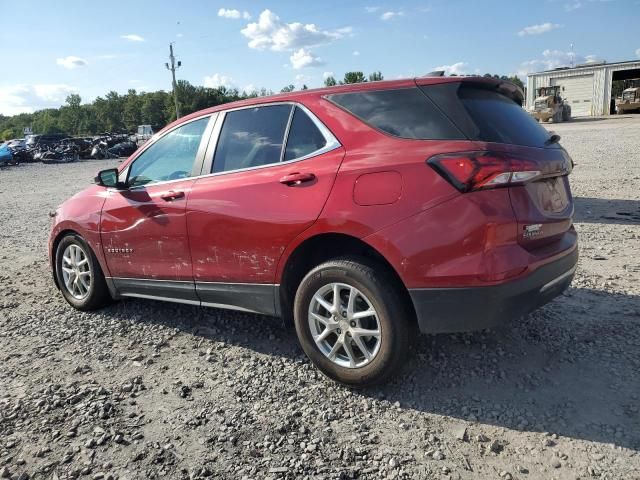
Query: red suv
{"x":360,"y":211}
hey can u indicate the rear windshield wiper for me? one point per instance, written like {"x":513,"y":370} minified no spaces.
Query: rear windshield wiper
{"x":555,"y":138}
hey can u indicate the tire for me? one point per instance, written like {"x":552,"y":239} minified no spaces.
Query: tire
{"x":566,"y":114}
{"x":97,"y":294}
{"x":372,"y":284}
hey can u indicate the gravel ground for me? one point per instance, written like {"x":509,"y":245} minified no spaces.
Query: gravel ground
{"x":148,"y":390}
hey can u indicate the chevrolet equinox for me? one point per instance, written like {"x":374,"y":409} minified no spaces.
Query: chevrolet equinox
{"x":362,"y":212}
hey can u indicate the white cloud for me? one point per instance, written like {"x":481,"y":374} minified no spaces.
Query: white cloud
{"x":271,"y":32}
{"x":459,"y":68}
{"x":638,"y":53}
{"x":326,"y":75}
{"x":301,"y":79}
{"x":133,"y":37}
{"x":575,"y":5}
{"x":250,"y":88}
{"x":71,"y":62}
{"x":234,"y":14}
{"x":356,"y":53}
{"x":22,"y":98}
{"x":218,"y":80}
{"x":554,"y":59}
{"x":304,"y":58}
{"x":391,"y":14}
{"x":372,"y":9}
{"x":538,"y":29}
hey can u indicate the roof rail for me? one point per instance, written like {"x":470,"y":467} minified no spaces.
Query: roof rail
{"x":435,"y":73}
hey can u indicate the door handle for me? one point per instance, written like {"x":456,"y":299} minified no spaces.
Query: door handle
{"x":171,"y":195}
{"x":297,"y":178}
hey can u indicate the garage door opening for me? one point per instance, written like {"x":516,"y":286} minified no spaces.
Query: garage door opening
{"x":577,"y":92}
{"x":624,"y":80}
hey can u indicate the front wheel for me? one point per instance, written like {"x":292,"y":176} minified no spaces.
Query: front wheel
{"x":79,"y":275}
{"x":352,"y":321}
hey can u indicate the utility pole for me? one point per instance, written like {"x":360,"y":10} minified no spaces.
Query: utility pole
{"x":173,"y":67}
{"x":571,"y":57}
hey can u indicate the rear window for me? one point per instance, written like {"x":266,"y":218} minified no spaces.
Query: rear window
{"x":486,"y":115}
{"x":405,"y":113}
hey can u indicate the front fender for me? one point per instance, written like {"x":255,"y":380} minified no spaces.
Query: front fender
{"x":80,"y":214}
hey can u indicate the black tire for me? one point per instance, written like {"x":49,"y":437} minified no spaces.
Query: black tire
{"x":384,"y":294}
{"x":98,"y":295}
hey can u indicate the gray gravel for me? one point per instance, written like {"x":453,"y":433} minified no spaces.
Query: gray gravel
{"x":148,"y":390}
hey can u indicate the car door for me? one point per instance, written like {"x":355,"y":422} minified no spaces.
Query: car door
{"x":143,"y":226}
{"x":271,"y":173}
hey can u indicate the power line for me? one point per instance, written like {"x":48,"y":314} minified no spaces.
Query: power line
{"x":173,"y":69}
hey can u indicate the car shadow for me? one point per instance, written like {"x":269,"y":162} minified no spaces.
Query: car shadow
{"x":562,"y":369}
{"x":598,"y":119}
{"x":599,"y":210}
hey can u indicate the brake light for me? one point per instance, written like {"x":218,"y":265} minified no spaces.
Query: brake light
{"x":471,"y":171}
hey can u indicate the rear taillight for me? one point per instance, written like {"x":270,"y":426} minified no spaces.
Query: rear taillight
{"x":471,"y":171}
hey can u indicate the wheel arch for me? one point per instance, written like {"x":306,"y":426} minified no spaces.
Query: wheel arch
{"x":69,"y":230}
{"x":54,"y":248}
{"x":321,"y":248}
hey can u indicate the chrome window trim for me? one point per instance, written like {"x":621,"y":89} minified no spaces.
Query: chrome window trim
{"x":197,"y":161}
{"x":285,"y":139}
{"x":215,"y":127}
{"x":332,"y":141}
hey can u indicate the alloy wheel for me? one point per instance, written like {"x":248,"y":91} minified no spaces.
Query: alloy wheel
{"x":344,"y":325}
{"x":76,"y":271}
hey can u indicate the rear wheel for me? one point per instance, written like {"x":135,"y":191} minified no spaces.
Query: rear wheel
{"x":79,"y":275}
{"x":352,"y":321}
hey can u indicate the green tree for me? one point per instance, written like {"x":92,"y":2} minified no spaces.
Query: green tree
{"x":7,"y":134}
{"x":375,"y":77}
{"x":132,"y":110}
{"x":354,"y":77}
{"x":153,"y":109}
{"x":287,"y":89}
{"x":330,"y":81}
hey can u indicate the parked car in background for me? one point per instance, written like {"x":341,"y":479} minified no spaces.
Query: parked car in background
{"x":365,"y":212}
{"x":16,"y":143}
{"x":43,"y":139}
{"x":144,"y":133}
{"x":6,"y":155}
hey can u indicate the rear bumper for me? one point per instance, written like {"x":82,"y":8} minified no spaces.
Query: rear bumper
{"x":448,"y":310}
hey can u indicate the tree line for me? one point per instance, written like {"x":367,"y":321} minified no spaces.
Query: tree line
{"x":117,"y":113}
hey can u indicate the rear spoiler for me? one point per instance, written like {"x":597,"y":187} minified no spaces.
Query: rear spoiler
{"x":505,"y":87}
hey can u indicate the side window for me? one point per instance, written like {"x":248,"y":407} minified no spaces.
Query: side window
{"x":251,"y":137}
{"x":304,"y":137}
{"x":171,"y":157}
{"x":405,"y":113}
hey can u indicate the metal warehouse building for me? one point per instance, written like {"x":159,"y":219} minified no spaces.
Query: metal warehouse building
{"x":586,"y":87}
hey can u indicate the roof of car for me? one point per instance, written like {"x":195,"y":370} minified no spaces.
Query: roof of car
{"x":337,"y":89}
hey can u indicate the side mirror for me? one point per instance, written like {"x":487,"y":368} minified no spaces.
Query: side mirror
{"x":108,"y":178}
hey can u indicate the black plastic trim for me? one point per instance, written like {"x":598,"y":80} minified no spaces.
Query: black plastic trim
{"x":250,"y":297}
{"x":449,"y":310}
{"x":253,"y":297}
{"x":169,"y":289}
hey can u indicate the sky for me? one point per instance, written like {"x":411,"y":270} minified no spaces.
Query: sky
{"x":51,"y":49}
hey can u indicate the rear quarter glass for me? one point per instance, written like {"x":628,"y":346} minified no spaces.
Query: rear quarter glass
{"x":403,"y":112}
{"x":484,"y":114}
